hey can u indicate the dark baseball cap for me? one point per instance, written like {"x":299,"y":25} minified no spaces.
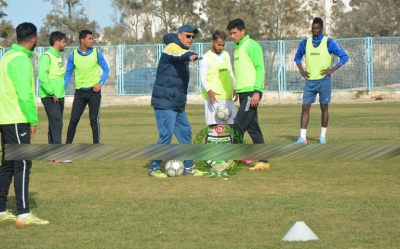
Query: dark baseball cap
{"x":188,"y":28}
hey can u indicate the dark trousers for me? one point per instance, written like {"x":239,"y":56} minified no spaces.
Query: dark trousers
{"x":15,"y":134}
{"x":81,"y":99}
{"x":247,"y":119}
{"x":54,"y":113}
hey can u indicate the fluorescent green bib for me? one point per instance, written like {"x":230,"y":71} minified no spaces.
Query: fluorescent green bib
{"x":87,"y":69}
{"x":219,"y":77}
{"x":57,"y":69}
{"x":317,"y":59}
{"x":56,"y":76}
{"x":10,"y":111}
{"x":245,"y":73}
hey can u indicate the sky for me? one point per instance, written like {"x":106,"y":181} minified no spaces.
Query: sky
{"x":34,"y":11}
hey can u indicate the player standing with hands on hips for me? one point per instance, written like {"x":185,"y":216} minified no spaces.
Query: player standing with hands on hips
{"x":318,"y":50}
{"x":51,"y":73}
{"x":250,"y":74}
{"x":86,"y":61}
{"x":170,"y":94}
{"x":218,"y":80}
{"x":18,"y":120}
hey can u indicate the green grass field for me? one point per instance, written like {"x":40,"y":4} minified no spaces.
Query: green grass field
{"x":113,"y":204}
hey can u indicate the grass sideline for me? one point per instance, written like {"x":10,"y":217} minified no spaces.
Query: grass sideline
{"x":113,"y":204}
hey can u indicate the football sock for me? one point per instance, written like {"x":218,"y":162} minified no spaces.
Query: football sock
{"x":303,"y":133}
{"x":323,"y":131}
{"x":23,"y":216}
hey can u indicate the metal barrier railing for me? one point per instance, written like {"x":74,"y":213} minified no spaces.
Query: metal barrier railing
{"x":374,"y":64}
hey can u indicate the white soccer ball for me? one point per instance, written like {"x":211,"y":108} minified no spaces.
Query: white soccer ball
{"x":223,"y":112}
{"x":174,"y":168}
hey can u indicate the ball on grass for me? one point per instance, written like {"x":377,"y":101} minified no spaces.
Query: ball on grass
{"x":174,"y":168}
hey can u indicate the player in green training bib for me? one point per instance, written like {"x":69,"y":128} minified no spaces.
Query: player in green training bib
{"x":51,"y":73}
{"x":318,"y":50}
{"x":18,"y":120}
{"x":250,"y":75}
{"x":217,"y":80}
{"x":218,"y":88}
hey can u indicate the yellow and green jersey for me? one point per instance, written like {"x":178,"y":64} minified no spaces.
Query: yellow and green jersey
{"x":249,"y":66}
{"x":17,"y":88}
{"x":51,"y":74}
{"x":317,"y":58}
{"x":87,"y":69}
{"x":219,"y":77}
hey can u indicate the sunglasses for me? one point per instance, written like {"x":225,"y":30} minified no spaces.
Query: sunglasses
{"x":189,"y":36}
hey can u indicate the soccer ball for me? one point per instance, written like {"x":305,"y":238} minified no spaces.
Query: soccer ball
{"x":223,"y":112}
{"x":174,"y":168}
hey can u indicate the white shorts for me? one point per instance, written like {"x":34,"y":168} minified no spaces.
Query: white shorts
{"x":210,"y":111}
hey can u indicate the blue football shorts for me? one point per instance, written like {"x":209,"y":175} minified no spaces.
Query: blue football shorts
{"x":321,"y":86}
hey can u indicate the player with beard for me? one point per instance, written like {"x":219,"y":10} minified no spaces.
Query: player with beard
{"x":18,"y":119}
{"x":51,"y":75}
{"x":218,"y":80}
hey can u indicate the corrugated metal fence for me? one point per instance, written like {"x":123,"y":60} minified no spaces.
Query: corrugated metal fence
{"x":374,"y":64}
